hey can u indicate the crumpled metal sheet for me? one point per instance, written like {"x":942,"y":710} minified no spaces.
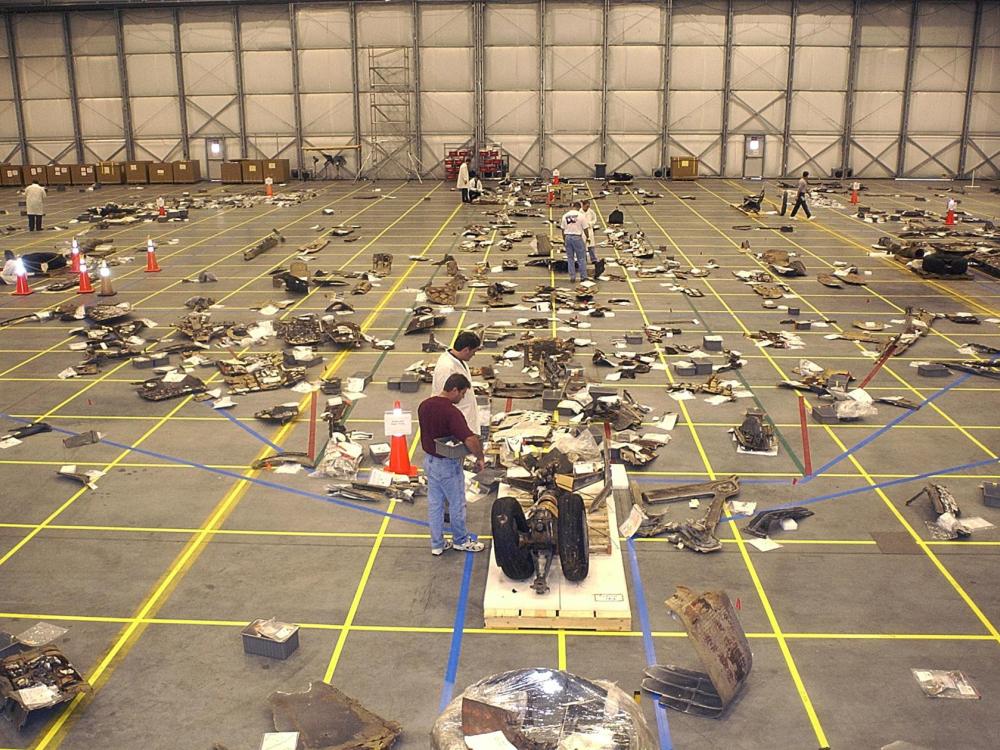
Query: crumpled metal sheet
{"x":327,"y":719}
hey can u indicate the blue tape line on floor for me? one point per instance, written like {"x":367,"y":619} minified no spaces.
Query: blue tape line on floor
{"x":662,"y":725}
{"x":234,"y":475}
{"x":877,"y":486}
{"x":245,"y":427}
{"x":457,"y":631}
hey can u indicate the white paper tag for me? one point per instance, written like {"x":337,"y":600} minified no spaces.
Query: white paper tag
{"x":629,"y":526}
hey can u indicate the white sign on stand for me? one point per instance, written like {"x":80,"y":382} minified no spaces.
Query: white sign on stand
{"x":398,"y":422}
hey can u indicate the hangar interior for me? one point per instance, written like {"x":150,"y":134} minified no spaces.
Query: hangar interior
{"x":206,"y":506}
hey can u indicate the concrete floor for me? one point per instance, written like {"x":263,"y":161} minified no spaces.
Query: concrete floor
{"x":155,"y":572}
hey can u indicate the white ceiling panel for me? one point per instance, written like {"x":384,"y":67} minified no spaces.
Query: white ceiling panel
{"x":43,"y":77}
{"x":209,"y":72}
{"x":147,"y":31}
{"x":885,"y":23}
{"x":511,"y":24}
{"x":150,"y":75}
{"x":323,"y":27}
{"x":446,"y":112}
{"x":512,"y":68}
{"x":92,"y":33}
{"x":265,"y":27}
{"x":698,"y":111}
{"x":324,"y":70}
{"x":6,"y":83}
{"x":931,"y":157}
{"x":212,"y":115}
{"x":635,"y":67}
{"x":941,"y":69}
{"x":98,"y":77}
{"x":155,"y":116}
{"x":47,"y":118}
{"x":327,"y":114}
{"x":446,"y":69}
{"x":445,"y":25}
{"x":824,"y":23}
{"x":697,"y":68}
{"x":573,"y":68}
{"x":267,"y":72}
{"x":989,"y":30}
{"x":102,"y":118}
{"x":269,"y":114}
{"x":572,"y":23}
{"x":821,"y":68}
{"x":762,"y":68}
{"x":988,"y":69}
{"x":573,"y":112}
{"x":207,"y":29}
{"x":634,"y":111}
{"x":945,"y":22}
{"x":385,"y":25}
{"x":700,"y":23}
{"x":817,"y":111}
{"x":634,"y":23}
{"x":877,"y":111}
{"x":757,"y":111}
{"x":38,"y":34}
{"x":985,"y":113}
{"x":881,"y":69}
{"x":511,"y":112}
{"x":764,"y":22}
{"x":936,"y":112}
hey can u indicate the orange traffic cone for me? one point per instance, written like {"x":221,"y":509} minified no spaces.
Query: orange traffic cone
{"x":151,"y":264}
{"x":949,"y":218}
{"x":74,"y":256}
{"x":269,"y":187}
{"x":85,"y":286}
{"x":399,"y":454}
{"x":161,"y":206}
{"x":21,"y":289}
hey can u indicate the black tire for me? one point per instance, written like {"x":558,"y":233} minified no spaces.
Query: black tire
{"x":574,"y":541}
{"x":506,"y":521}
{"x":946,"y":264}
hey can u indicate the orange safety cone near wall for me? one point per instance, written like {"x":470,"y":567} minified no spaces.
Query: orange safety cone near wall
{"x":949,"y":219}
{"x":151,"y":265}
{"x":269,"y":186}
{"x":855,"y":187}
{"x":74,"y":257}
{"x":21,"y":274}
{"x":161,"y":206}
{"x":399,"y":451}
{"x":85,"y":286}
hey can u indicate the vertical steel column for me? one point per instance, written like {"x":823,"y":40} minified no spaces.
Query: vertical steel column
{"x":970,"y":88}
{"x":296,"y":85}
{"x":355,"y":85}
{"x":417,"y":129}
{"x":605,"y":11}
{"x":74,"y":102}
{"x":181,"y":94}
{"x":789,"y":89}
{"x":240,"y":99}
{"x":726,"y":89}
{"x":852,"y":77}
{"x":15,"y":83}
{"x":477,"y":9}
{"x":904,"y":121}
{"x":668,"y":21}
{"x":541,"y":86}
{"x":126,"y":97}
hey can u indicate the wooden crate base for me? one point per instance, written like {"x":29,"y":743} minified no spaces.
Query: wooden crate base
{"x":599,"y":602}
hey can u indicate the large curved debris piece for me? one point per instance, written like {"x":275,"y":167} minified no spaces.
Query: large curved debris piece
{"x":327,"y":719}
{"x":696,"y":534}
{"x":718,"y":638}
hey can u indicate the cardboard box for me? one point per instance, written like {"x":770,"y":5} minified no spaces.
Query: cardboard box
{"x":58,"y":174}
{"x":232,"y":171}
{"x":683,"y":168}
{"x":187,"y":172}
{"x":253,"y":170}
{"x":83,"y":174}
{"x":161,"y":173}
{"x":11,"y":174}
{"x":276,"y":169}
{"x":32,"y":173}
{"x":110,"y":173}
{"x":137,"y":172}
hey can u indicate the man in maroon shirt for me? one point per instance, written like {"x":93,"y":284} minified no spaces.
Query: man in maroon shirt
{"x":440,"y":418}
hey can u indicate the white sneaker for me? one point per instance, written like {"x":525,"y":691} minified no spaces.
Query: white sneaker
{"x":470,"y":545}
{"x":437,"y":552}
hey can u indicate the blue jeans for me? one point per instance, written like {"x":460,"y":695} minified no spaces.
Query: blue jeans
{"x":576,"y":257}
{"x":445,"y":484}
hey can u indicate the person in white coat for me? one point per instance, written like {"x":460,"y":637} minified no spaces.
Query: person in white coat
{"x":463,"y":180}
{"x":34,"y":205}
{"x":475,"y":188}
{"x":574,"y":226}
{"x":455,"y":360}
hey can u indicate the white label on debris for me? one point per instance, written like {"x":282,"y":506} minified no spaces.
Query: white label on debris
{"x":9,"y":443}
{"x":398,"y":424}
{"x":764,"y":545}
{"x":380,"y":478}
{"x":632,"y":523}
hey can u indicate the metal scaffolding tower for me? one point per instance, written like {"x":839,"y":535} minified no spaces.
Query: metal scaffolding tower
{"x":392,"y":131}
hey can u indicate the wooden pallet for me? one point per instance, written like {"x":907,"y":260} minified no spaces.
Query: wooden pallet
{"x":600,"y":602}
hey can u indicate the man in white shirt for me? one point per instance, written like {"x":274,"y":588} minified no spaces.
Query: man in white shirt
{"x":34,"y":205}
{"x":574,"y":226}
{"x":801,"y":193}
{"x":455,"y":360}
{"x":475,"y":187}
{"x":591,"y":230}
{"x":462,"y":183}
